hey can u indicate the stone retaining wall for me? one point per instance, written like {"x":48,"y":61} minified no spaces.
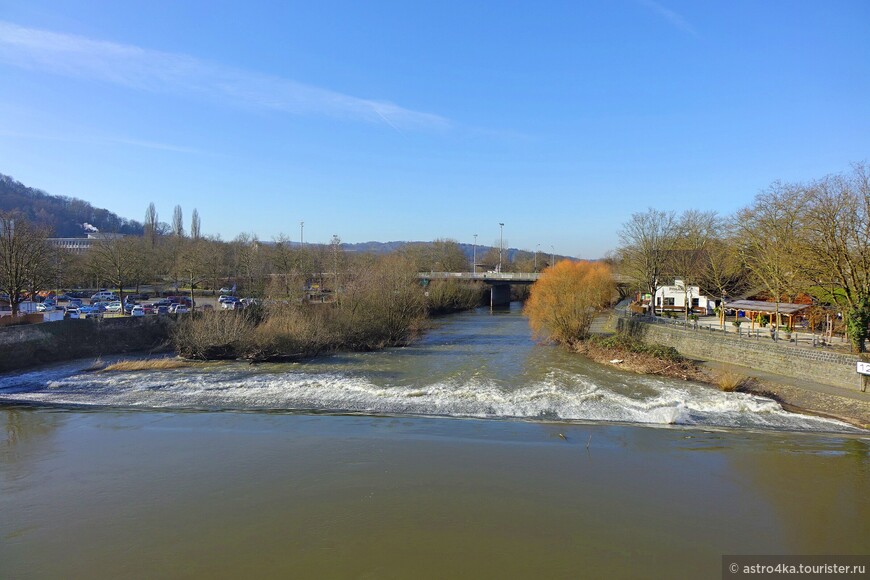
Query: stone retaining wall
{"x":35,"y":344}
{"x":816,"y":364}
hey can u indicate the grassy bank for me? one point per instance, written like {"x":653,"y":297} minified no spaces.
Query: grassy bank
{"x":380,"y":306}
{"x":634,"y":355}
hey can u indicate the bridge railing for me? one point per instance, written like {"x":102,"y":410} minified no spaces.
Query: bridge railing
{"x":482,"y":276}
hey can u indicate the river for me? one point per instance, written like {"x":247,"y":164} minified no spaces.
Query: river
{"x":475,"y":453}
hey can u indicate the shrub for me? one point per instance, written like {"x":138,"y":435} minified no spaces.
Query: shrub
{"x":729,"y":380}
{"x":563,"y":302}
{"x":453,"y":296}
{"x":379,"y":304}
{"x":214,"y":335}
{"x":626,"y":343}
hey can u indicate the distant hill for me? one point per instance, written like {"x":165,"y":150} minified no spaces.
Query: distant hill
{"x":67,"y":217}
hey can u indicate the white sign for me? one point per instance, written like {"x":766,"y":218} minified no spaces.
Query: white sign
{"x":864,"y":368}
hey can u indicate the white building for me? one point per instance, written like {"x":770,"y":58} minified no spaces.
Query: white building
{"x":673,"y":298}
{"x":81,"y":245}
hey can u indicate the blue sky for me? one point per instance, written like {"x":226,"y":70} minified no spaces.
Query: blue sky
{"x":415,"y":121}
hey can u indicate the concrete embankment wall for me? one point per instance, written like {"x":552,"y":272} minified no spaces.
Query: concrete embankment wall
{"x":35,"y":344}
{"x":815,"y":364}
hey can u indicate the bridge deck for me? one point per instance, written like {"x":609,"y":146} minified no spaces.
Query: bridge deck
{"x":496,"y":277}
{"x":490,"y":277}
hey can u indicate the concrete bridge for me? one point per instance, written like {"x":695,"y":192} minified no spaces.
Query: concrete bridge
{"x":499,"y":282}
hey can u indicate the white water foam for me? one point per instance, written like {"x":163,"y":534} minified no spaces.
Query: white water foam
{"x":559,"y":396}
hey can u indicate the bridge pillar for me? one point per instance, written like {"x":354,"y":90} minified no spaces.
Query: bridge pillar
{"x":500,"y":295}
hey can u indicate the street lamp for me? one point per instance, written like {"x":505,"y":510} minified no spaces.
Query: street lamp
{"x":301,"y":233}
{"x":553,"y":256}
{"x":537,"y":247}
{"x":474,"y":256}
{"x":500,"y":244}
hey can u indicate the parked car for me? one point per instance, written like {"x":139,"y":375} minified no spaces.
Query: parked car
{"x":230,"y":304}
{"x":137,"y":311}
{"x":89,"y":312}
{"x":72,"y":313}
{"x":75,"y":302}
{"x":226,"y":290}
{"x":162,"y":309}
{"x":223,"y":298}
{"x":103,"y":295}
{"x":181,"y":309}
{"x":113,"y":306}
{"x":149,"y":308}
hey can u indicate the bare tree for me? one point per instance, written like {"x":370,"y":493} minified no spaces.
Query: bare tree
{"x":251,"y":264}
{"x":116,"y":260}
{"x":194,"y":225}
{"x":151,"y":224}
{"x":837,"y":223}
{"x":24,"y":255}
{"x":770,"y":243}
{"x":646,"y":242}
{"x":215,"y":267}
{"x":694,"y":233}
{"x":337,"y":262}
{"x":724,"y":273}
{"x":177,"y":222}
{"x":192,"y":259}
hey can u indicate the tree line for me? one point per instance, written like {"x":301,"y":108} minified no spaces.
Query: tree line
{"x":170,"y":256}
{"x":795,"y":239}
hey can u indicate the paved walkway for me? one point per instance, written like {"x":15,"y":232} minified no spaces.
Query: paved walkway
{"x":807,"y":385}
{"x":852,"y":406}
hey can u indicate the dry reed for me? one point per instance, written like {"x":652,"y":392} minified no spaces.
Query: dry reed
{"x":155,"y":364}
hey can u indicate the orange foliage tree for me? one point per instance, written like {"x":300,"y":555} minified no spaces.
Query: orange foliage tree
{"x":567,"y":297}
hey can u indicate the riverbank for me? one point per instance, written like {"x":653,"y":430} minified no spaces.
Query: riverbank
{"x":796,"y":395}
{"x":34,"y":345}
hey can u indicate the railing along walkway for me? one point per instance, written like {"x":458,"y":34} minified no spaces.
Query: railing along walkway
{"x":797,"y":339}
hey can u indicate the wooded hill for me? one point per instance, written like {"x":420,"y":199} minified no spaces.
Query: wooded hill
{"x":64,"y":216}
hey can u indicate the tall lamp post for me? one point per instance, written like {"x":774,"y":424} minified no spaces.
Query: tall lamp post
{"x":500,"y":244}
{"x":553,"y":256}
{"x":537,"y":247}
{"x":474,"y":256}
{"x":301,"y":233}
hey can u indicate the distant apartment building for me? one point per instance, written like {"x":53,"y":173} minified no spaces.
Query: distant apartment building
{"x":82,"y":245}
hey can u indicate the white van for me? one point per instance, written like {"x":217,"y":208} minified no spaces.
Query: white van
{"x":104,"y":296}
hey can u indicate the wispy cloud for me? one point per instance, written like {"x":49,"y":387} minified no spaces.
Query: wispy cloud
{"x":164,"y":72}
{"x":672,"y":17}
{"x":100,"y":140}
